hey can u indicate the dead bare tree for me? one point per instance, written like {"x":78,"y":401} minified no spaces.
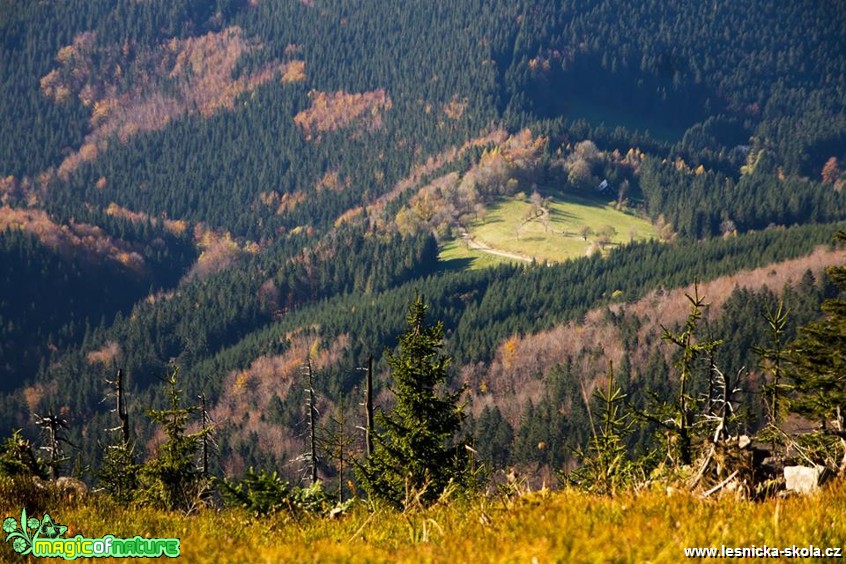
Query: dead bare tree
{"x":312,"y":409}
{"x":118,"y":471}
{"x":53,"y":426}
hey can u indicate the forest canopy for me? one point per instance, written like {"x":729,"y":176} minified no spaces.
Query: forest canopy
{"x":223,"y":185}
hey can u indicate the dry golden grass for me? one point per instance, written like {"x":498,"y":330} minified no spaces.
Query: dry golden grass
{"x":545,"y":526}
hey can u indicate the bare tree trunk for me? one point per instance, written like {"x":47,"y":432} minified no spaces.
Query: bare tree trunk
{"x":368,"y":407}
{"x":52,"y":424}
{"x":121,"y":407}
{"x":341,"y":446}
{"x":205,"y":435}
{"x":311,"y":429}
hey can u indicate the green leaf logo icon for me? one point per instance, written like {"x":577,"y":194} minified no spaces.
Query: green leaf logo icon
{"x":50,"y":529}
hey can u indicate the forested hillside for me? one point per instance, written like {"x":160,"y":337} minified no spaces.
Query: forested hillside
{"x":234,"y":187}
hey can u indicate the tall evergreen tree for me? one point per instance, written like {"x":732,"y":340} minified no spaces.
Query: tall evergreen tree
{"x":173,"y":480}
{"x":605,"y":463}
{"x":818,"y":365}
{"x":416,"y":456}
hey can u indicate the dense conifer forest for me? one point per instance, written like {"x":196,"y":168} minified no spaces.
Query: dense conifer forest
{"x":234,"y":189}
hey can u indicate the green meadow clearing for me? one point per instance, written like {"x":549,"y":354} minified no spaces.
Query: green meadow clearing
{"x":507,"y":234}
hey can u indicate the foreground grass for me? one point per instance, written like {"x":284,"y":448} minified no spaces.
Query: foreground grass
{"x":555,"y":239}
{"x":547,"y":526}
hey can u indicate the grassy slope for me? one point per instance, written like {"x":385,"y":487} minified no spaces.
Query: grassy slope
{"x":504,"y":228}
{"x":456,"y":256}
{"x":550,"y":526}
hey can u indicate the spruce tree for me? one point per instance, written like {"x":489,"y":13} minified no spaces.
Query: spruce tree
{"x":818,"y":367}
{"x":605,"y":463}
{"x":819,"y":364}
{"x":772,"y":360}
{"x":679,"y":417}
{"x":415,"y":455}
{"x":172,"y":479}
{"x":17,"y":457}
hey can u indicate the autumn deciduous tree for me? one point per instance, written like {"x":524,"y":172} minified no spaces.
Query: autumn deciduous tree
{"x":666,"y":233}
{"x":606,"y":234}
{"x":580,"y":164}
{"x":830,"y":171}
{"x":415,"y":456}
{"x":579,"y":174}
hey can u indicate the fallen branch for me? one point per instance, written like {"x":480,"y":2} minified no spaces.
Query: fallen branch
{"x":721,"y":485}
{"x":355,"y":534}
{"x":703,"y":468}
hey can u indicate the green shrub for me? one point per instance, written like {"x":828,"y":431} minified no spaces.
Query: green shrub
{"x":265,"y":493}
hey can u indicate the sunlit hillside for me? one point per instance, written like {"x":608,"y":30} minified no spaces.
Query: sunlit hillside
{"x":517,"y":230}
